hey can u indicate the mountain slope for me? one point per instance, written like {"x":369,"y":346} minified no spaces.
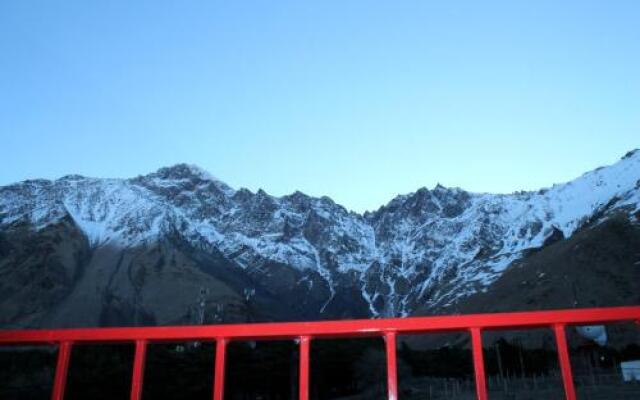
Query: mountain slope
{"x":598,"y":266}
{"x":179,"y":246}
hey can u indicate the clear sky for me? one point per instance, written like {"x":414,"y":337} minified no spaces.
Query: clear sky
{"x":355,"y":100}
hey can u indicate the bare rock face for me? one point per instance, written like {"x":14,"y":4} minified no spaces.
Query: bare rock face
{"x":179,"y":246}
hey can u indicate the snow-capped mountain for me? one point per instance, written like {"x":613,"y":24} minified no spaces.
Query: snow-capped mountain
{"x":180,"y":246}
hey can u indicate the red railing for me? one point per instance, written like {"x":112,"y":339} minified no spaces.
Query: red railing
{"x":304,"y":332}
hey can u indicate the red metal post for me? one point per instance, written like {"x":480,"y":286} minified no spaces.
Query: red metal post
{"x":138,"y":370}
{"x":478,"y":363}
{"x":565,"y":363}
{"x":62,"y":366}
{"x":392,"y":370}
{"x":218,"y":382}
{"x":303,"y":386}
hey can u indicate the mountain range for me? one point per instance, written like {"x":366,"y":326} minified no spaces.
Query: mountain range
{"x":179,"y":246}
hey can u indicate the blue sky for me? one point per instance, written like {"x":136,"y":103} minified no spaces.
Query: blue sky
{"x":356,"y":100}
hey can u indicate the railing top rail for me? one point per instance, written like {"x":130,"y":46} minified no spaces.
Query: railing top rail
{"x":328,"y":329}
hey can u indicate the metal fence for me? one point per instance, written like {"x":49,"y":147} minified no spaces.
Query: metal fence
{"x":304,"y":332}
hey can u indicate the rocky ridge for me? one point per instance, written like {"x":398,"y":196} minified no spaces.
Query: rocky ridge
{"x":179,"y":246}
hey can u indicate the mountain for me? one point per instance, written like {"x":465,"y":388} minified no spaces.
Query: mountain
{"x":179,"y":246}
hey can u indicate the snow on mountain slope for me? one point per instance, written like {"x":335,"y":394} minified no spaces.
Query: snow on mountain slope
{"x":427,"y":248}
{"x":452,"y":243}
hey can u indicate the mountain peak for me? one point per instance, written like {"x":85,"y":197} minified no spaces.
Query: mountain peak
{"x":632,"y":153}
{"x":184,"y":171}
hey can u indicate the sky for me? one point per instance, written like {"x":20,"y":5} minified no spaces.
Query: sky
{"x":357,"y":100}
